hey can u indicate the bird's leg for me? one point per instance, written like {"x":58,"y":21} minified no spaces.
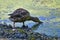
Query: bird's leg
{"x":14,"y":25}
{"x":23,"y":24}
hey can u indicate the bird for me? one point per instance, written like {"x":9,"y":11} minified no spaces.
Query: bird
{"x":22,"y":15}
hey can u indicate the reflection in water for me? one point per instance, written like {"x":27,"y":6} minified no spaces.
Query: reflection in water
{"x":34,"y":27}
{"x":49,"y":28}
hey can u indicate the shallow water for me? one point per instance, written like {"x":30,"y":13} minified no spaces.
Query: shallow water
{"x":48,"y":27}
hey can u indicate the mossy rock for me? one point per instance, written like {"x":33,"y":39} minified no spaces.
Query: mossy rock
{"x":21,"y":30}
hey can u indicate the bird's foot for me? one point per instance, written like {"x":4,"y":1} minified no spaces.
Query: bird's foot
{"x":24,"y":26}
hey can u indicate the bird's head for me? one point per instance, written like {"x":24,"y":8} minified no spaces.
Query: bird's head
{"x":36,"y":19}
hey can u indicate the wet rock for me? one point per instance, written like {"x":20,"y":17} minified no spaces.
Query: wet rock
{"x":6,"y":32}
{"x":2,"y":33}
{"x":5,"y":26}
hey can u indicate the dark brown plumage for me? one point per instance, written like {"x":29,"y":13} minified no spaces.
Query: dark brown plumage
{"x":22,"y":15}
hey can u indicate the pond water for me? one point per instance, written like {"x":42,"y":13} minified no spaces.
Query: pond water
{"x":48,"y":27}
{"x":51,"y":29}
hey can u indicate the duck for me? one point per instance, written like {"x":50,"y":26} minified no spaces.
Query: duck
{"x":22,"y":15}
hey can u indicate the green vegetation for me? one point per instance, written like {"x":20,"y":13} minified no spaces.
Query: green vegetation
{"x":21,"y":30}
{"x":35,"y":7}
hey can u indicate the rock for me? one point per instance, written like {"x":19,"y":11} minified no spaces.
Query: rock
{"x":2,"y":33}
{"x":5,"y":32}
{"x":5,"y":26}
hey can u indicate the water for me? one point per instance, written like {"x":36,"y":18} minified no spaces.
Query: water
{"x":48,"y":27}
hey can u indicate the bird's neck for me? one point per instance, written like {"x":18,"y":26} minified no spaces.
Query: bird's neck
{"x":32,"y":17}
